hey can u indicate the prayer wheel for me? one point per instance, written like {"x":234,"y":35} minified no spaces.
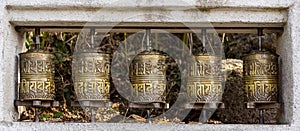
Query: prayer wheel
{"x":260,"y":77}
{"x":37,"y":76}
{"x":91,"y":73}
{"x":148,"y":77}
{"x":205,"y":80}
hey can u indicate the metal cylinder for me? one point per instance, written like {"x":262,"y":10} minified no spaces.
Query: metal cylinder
{"x":37,"y":76}
{"x":91,"y":75}
{"x":260,"y":77}
{"x":148,"y":77}
{"x":205,"y":80}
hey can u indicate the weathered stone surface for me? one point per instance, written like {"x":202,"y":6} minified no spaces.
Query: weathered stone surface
{"x":76,"y":12}
{"x":293,"y":95}
{"x":139,"y":126}
{"x":136,"y":13}
{"x":1,"y":54}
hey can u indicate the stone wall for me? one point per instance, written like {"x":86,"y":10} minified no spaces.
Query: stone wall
{"x":219,"y":13}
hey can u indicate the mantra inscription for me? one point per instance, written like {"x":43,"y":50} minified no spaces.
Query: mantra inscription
{"x":205,"y":66}
{"x":204,"y":91}
{"x":92,"y":89}
{"x":35,"y":89}
{"x":148,"y":91}
{"x":260,"y":77}
{"x":148,"y":65}
{"x":261,"y":90}
{"x":91,"y":76}
{"x":205,"y":81}
{"x":91,"y":63}
{"x":94,"y":65}
{"x":37,"y":76}
{"x":147,"y":76}
{"x":33,"y":66}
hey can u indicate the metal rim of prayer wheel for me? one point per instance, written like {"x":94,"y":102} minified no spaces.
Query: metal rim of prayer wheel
{"x":91,"y":74}
{"x":205,"y":80}
{"x":37,"y":76}
{"x":260,"y":77}
{"x":148,"y":77}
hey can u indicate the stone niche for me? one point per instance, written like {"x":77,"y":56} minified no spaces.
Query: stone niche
{"x":219,"y":13}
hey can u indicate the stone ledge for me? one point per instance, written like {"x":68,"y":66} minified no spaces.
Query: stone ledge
{"x":139,"y":126}
{"x":221,"y":13}
{"x":289,"y":39}
{"x":98,"y":4}
{"x":136,"y":17}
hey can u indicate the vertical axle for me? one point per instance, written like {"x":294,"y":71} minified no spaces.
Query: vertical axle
{"x":260,"y":30}
{"x":261,"y":116}
{"x":203,"y":116}
{"x":36,"y":114}
{"x":148,"y":46}
{"x":92,"y":33}
{"x":204,"y":37}
{"x":37,"y":39}
{"x":148,"y":116}
{"x":92,"y":118}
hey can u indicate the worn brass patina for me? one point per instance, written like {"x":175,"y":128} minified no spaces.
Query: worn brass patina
{"x":148,"y":77}
{"x":205,"y":80}
{"x":37,"y":76}
{"x":91,"y":74}
{"x":260,"y":77}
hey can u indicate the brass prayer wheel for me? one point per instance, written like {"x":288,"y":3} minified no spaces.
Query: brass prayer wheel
{"x":91,"y":73}
{"x":260,"y":77}
{"x":205,"y":80}
{"x":148,"y":77}
{"x":37,"y":76}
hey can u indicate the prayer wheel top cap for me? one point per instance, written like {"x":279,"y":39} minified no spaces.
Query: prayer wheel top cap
{"x":205,"y":54}
{"x":260,"y":53}
{"x":263,"y":52}
{"x":152,"y":52}
{"x":90,"y":50}
{"x":36,"y":51}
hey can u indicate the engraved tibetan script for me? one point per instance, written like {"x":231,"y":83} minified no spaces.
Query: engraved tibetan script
{"x":30,"y":66}
{"x":200,"y":91}
{"x":92,"y":90}
{"x":33,"y":89}
{"x":260,"y":77}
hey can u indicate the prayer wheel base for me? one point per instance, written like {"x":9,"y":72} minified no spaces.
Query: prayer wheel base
{"x":205,"y":105}
{"x":96,"y":104}
{"x":156,"y":105}
{"x":36,"y":104}
{"x":29,"y":103}
{"x":260,"y":105}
